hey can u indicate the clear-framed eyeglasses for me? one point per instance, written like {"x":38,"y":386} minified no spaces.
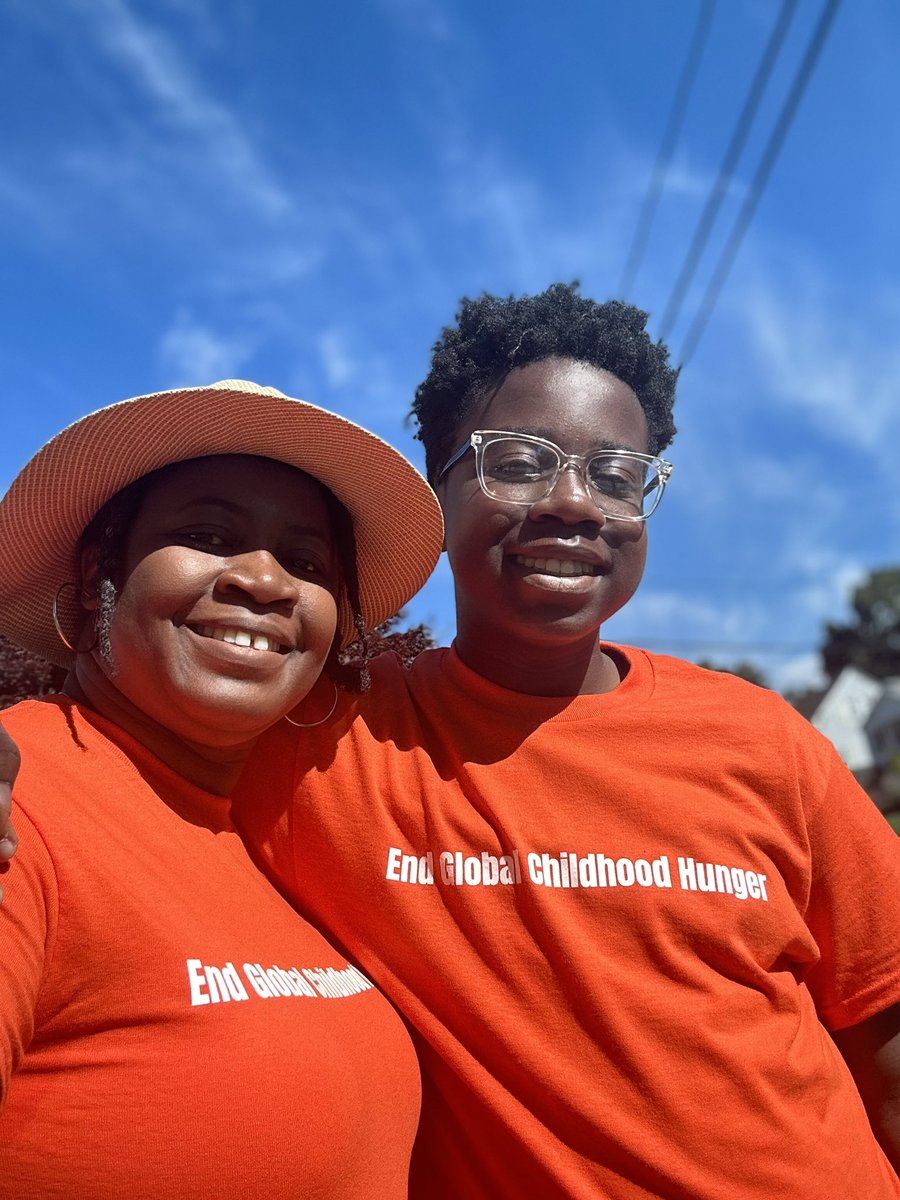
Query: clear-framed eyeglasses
{"x":519,"y":468}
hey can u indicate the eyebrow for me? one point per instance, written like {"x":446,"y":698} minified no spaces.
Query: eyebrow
{"x":548,"y":436}
{"x":238,"y":510}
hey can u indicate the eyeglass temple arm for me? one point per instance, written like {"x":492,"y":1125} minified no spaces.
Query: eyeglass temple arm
{"x":662,"y":479}
{"x":453,"y":460}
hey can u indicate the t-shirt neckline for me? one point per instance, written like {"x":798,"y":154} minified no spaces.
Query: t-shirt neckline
{"x":635,"y":686}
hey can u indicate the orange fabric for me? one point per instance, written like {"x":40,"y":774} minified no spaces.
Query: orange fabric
{"x":655,"y":1031}
{"x":147,"y":1048}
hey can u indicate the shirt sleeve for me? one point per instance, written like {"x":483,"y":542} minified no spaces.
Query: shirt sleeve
{"x":854,"y":904}
{"x":27,"y":927}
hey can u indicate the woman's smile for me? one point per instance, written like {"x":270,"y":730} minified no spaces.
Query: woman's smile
{"x":239,"y":635}
{"x":227,"y":608}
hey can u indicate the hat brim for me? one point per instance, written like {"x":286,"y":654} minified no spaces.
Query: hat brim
{"x":396,"y":518}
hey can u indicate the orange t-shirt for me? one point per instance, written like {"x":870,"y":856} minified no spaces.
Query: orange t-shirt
{"x":169,"y":1027}
{"x":620,"y":925}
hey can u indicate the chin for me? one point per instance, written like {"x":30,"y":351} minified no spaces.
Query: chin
{"x":231,"y":712}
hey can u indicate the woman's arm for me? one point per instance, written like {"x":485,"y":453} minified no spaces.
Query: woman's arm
{"x":27,"y":933}
{"x":871,"y":1050}
{"x":9,"y":768}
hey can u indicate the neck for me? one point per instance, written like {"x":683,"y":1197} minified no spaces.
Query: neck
{"x":213,"y":768}
{"x":547,"y":669}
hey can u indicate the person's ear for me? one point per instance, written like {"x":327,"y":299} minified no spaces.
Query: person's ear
{"x":90,"y":578}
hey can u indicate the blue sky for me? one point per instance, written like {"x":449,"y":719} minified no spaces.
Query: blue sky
{"x":300,"y":193}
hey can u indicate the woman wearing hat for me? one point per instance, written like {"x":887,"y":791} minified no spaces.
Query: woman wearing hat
{"x":169,"y":1027}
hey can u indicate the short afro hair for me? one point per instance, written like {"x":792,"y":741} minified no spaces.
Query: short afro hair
{"x":493,"y":335}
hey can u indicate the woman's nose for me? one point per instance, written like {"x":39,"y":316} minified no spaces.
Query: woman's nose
{"x":261,"y":575}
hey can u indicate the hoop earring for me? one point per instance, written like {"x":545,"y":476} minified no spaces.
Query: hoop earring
{"x":313,"y":724}
{"x":54,"y":613}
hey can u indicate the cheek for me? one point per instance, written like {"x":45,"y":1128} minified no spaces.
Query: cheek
{"x":317,"y":614}
{"x":161,"y":586}
{"x":477,"y":530}
{"x":628,"y":537}
{"x":632,"y":553}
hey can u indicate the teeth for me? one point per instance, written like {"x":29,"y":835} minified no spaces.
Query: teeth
{"x":560,"y":567}
{"x":238,"y":637}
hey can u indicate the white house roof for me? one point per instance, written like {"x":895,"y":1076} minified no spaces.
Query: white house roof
{"x":842,"y":714}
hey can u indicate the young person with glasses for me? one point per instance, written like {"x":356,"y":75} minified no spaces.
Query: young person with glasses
{"x":622,"y":902}
{"x":629,"y":908}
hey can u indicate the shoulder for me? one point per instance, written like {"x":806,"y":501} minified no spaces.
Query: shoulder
{"x":392,"y":706}
{"x":47,"y":723}
{"x":62,"y":752}
{"x":674,"y":677}
{"x":394,"y":684}
{"x":715,"y":709}
{"x":48,"y":779}
{"x":27,"y":713}
{"x":388,"y":669}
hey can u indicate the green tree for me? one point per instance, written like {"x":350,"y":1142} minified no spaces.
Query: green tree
{"x":24,"y":675}
{"x":871,"y":641}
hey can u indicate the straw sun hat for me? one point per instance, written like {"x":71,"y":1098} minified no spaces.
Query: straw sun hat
{"x":396,"y":518}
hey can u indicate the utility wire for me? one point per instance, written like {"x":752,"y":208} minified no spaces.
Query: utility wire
{"x":670,"y":137}
{"x":729,"y":162}
{"x":760,"y":179}
{"x":718,"y":644}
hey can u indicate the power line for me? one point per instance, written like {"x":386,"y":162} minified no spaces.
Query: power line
{"x":670,"y":137}
{"x":721,"y":644}
{"x":729,"y":162}
{"x":760,"y":179}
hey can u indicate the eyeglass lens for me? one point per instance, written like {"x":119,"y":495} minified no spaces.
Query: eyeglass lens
{"x":521,"y":471}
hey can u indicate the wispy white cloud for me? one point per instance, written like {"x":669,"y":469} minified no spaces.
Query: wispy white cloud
{"x":153,"y":63}
{"x":655,"y":613}
{"x":337,"y":361}
{"x":724,"y":632}
{"x":361,"y":380}
{"x":795,"y":674}
{"x":822,"y":580}
{"x":507,"y":223}
{"x":423,"y":18}
{"x":684,"y":180}
{"x":22,"y":201}
{"x":820,"y":362}
{"x":506,"y":211}
{"x":780,"y":626}
{"x":263,"y":266}
{"x":192,"y":353}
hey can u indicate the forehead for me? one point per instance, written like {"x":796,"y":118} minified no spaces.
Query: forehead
{"x":574,"y":404}
{"x":240,"y":481}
